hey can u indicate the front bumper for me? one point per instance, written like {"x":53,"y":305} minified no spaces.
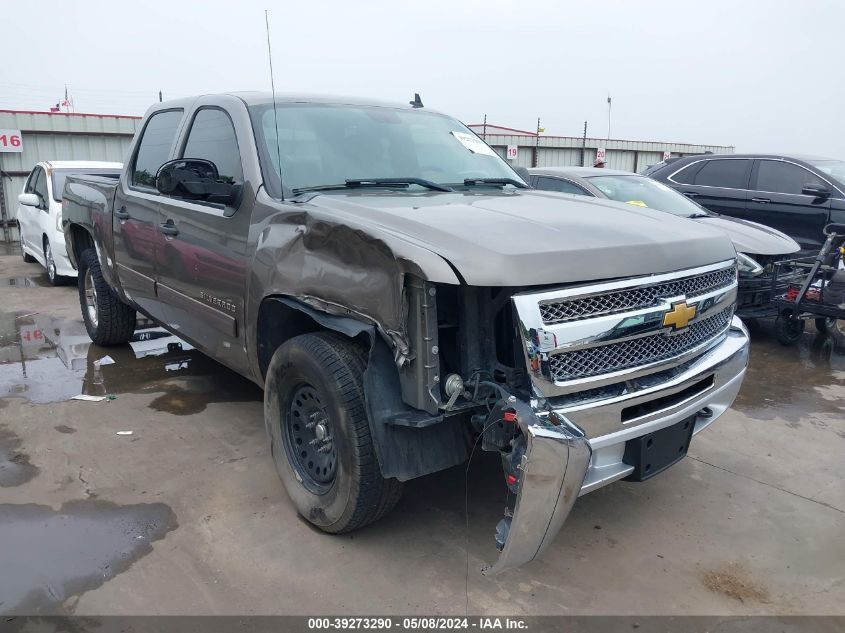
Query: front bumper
{"x":573,"y":450}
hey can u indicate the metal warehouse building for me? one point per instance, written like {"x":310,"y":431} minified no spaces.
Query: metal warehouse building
{"x":533,"y":150}
{"x":56,"y":136}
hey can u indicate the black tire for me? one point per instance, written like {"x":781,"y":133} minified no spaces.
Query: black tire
{"x":29,"y":259}
{"x":826,"y":324}
{"x":113,"y":322}
{"x":788,"y":329}
{"x":325,"y":371}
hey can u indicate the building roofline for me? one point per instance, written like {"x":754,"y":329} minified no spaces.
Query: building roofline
{"x":502,"y":127}
{"x":109,"y":116}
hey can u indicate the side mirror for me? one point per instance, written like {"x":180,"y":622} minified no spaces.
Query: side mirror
{"x":815,"y":190}
{"x":196,"y":179}
{"x":29,"y":200}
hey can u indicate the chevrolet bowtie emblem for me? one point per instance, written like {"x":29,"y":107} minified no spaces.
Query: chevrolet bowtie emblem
{"x":679,"y":316}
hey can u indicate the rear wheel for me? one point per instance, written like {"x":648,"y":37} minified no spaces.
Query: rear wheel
{"x":320,"y":436}
{"x":108,"y":320}
{"x":788,"y":328}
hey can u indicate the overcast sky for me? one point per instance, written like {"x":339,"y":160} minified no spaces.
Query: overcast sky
{"x":763,"y":76}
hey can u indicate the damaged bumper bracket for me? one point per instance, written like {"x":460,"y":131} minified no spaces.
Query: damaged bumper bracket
{"x":553,"y":469}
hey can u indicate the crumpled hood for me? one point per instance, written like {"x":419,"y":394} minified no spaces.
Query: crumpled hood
{"x":751,"y":237}
{"x":528,"y":237}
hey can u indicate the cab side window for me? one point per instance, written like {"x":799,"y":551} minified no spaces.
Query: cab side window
{"x":212,"y":137}
{"x":154,"y":148}
{"x":556,"y":184}
{"x":779,"y":177}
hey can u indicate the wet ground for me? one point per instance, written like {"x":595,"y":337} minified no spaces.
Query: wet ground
{"x":161,"y":497}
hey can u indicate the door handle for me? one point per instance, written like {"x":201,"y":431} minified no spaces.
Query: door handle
{"x":761,"y":200}
{"x":121,"y":213}
{"x":690,"y":194}
{"x":168,"y":228}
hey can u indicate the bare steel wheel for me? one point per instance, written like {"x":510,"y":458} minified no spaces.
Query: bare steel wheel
{"x":308,"y":439}
{"x":316,"y":419}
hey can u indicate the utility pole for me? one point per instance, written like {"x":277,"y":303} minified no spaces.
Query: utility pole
{"x":536,"y":161}
{"x":159,"y":96}
{"x":608,"y":116}
{"x":484,"y":129}
{"x":584,"y":146}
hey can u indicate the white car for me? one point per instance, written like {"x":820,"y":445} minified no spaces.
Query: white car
{"x":40,"y":213}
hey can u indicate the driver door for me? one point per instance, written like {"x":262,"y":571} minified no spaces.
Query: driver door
{"x":203,"y":267}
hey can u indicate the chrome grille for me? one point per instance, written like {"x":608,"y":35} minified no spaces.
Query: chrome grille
{"x":561,"y":311}
{"x":594,"y":361}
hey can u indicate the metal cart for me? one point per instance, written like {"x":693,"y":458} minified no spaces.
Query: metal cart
{"x":808,"y":300}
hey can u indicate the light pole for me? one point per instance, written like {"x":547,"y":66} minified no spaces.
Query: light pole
{"x":608,"y":117}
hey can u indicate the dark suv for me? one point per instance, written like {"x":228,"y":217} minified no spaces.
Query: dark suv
{"x":798,"y":195}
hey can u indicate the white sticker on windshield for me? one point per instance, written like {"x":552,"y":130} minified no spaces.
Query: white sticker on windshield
{"x":473,"y":143}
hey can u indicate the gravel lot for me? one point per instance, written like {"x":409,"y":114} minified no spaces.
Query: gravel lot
{"x":186,"y":514}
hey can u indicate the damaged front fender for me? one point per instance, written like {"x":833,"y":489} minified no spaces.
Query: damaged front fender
{"x":552,"y":471}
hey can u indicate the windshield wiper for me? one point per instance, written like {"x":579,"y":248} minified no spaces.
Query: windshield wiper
{"x":354,"y":183}
{"x":469,"y":182}
{"x":700,"y":215}
{"x":382,"y":182}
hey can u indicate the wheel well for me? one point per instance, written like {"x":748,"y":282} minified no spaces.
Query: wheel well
{"x":80,"y":240}
{"x":282,"y":318}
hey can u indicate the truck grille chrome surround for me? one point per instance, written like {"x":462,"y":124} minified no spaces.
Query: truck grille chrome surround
{"x":557,"y":311}
{"x":586,"y":337}
{"x":594,"y":361}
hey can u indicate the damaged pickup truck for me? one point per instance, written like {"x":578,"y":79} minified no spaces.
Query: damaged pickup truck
{"x":403,"y":297}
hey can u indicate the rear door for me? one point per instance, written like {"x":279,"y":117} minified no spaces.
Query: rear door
{"x":137,"y":242}
{"x":776,"y":200}
{"x":719,"y":184}
{"x":202,"y":276}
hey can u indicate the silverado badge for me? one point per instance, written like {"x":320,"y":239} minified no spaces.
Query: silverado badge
{"x":679,"y":316}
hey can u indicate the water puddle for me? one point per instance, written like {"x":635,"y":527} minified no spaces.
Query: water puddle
{"x":51,"y":555}
{"x":47,"y":360}
{"x":24,"y":282}
{"x":15,"y":468}
{"x":789,"y":382}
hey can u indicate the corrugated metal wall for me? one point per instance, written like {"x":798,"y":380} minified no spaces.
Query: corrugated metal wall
{"x":57,"y":136}
{"x":565,"y":151}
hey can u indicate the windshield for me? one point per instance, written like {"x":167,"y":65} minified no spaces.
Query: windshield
{"x":325,"y":145}
{"x":833,"y":168}
{"x":645,"y":192}
{"x":59,"y":176}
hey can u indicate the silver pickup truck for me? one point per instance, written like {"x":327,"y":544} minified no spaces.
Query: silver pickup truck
{"x":405,"y":299}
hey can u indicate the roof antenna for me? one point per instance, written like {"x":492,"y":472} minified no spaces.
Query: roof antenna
{"x":275,"y":112}
{"x":417,"y":102}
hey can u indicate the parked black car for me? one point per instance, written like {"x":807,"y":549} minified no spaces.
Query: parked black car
{"x":758,"y":247}
{"x":798,"y":195}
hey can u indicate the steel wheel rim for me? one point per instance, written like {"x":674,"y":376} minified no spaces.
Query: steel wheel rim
{"x":91,"y":297}
{"x":51,"y":265}
{"x":309,"y":439}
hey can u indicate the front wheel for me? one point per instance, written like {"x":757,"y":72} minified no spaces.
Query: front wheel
{"x":788,"y":328}
{"x":108,"y":320}
{"x":50,"y":264}
{"x":319,"y":433}
{"x":826,"y":324}
{"x":29,"y":259}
